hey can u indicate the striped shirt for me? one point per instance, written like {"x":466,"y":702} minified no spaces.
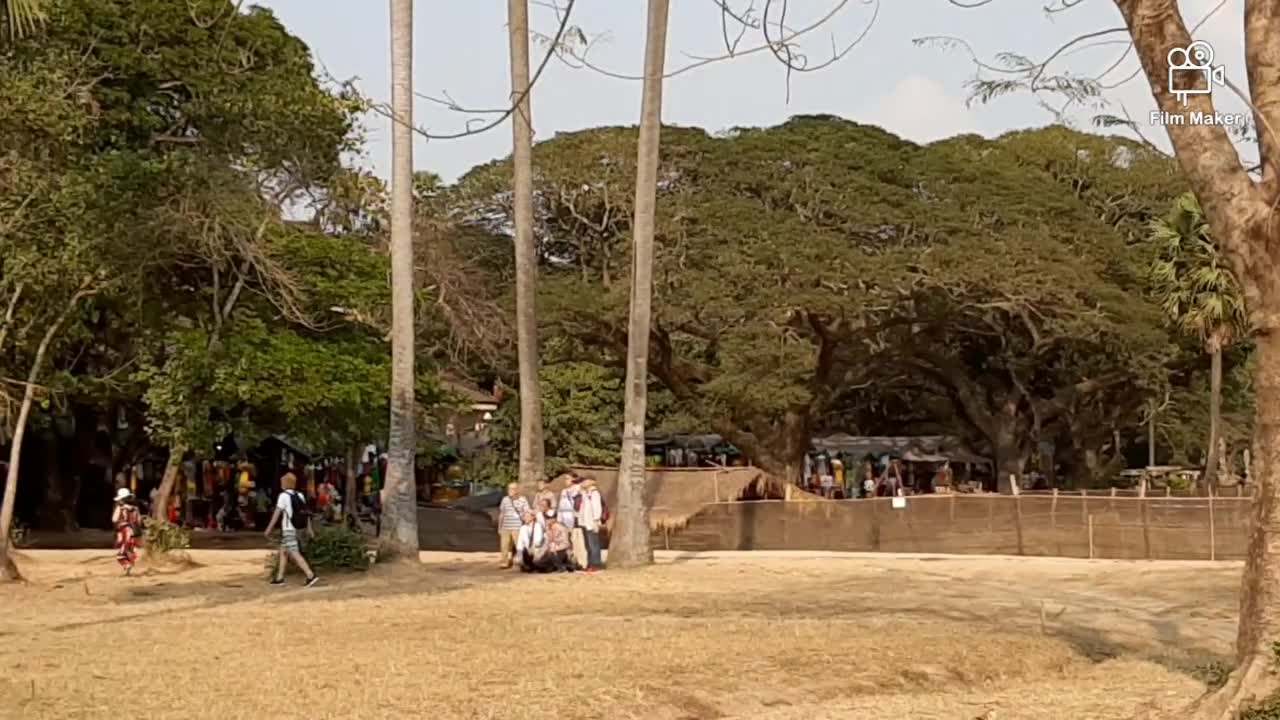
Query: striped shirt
{"x":511,"y":513}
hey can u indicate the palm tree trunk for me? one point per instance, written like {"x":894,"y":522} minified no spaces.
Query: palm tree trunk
{"x":629,"y":541}
{"x":399,"y":494}
{"x":526,"y":251}
{"x":1151,"y":436}
{"x":1215,"y":410}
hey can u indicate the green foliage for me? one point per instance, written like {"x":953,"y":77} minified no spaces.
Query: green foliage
{"x":582,"y":406}
{"x":334,"y":547}
{"x":163,"y":538}
{"x":823,"y":275}
{"x":1190,"y":276}
{"x":19,"y":536}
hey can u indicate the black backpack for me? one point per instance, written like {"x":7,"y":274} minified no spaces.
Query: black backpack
{"x":299,"y":516}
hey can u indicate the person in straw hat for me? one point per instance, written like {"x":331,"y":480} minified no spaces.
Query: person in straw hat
{"x":127,"y":521}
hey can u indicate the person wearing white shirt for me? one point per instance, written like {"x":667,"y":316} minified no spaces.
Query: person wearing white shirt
{"x":531,"y":544}
{"x":590,"y":519}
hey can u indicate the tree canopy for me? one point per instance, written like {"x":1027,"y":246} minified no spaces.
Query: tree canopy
{"x":151,"y":154}
{"x":827,"y":276}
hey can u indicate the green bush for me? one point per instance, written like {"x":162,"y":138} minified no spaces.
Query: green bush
{"x":19,"y":537}
{"x":335,"y":547}
{"x":163,"y":537}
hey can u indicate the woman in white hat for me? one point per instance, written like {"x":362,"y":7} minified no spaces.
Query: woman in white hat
{"x":128,"y":524}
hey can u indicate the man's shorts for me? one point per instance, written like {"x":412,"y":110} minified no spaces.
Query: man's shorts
{"x":289,"y":542}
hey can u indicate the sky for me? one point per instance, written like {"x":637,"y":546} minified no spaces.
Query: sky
{"x":917,"y":92}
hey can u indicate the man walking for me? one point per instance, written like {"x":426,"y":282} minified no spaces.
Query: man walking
{"x":511,"y":513}
{"x":291,"y":513}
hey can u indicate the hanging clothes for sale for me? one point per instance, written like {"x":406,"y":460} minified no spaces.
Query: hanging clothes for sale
{"x":807,"y":475}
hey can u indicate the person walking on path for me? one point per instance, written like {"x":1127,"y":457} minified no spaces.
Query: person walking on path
{"x":591,"y":518}
{"x":292,"y":516}
{"x":510,"y":518}
{"x":127,"y":521}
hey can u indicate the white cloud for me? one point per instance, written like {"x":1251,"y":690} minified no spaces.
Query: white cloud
{"x":921,"y":110}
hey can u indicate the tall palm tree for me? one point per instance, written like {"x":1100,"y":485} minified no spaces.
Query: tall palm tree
{"x":629,"y":542}
{"x":1200,"y":296}
{"x":531,"y":441}
{"x":23,"y":16}
{"x":400,"y":497}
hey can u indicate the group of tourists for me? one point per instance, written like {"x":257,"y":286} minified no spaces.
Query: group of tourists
{"x":557,"y":532}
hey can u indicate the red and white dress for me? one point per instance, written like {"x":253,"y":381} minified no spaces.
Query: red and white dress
{"x":126,"y":520}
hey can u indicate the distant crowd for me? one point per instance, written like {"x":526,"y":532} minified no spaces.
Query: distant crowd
{"x":556,"y":532}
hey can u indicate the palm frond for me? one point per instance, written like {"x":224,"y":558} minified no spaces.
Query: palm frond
{"x":22,"y":17}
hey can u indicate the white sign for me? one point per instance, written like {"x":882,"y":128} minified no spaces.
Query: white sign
{"x":899,"y":503}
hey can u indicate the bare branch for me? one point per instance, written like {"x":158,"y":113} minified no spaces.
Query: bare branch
{"x":794,"y":62}
{"x":477,"y":127}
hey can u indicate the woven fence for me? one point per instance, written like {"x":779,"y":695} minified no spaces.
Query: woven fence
{"x":1055,"y":524}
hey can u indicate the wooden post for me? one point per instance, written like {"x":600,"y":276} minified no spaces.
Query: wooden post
{"x":1213,"y":539}
{"x":1146,"y":530}
{"x":1090,"y":537}
{"x":666,"y":536}
{"x":1084,"y":506}
{"x":1052,"y":519}
{"x":715,"y":479}
{"x":1111,"y":507}
{"x":1017,"y":521}
{"x":1168,"y":491}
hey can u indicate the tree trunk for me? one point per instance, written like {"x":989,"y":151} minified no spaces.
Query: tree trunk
{"x":1215,"y":411}
{"x":526,"y":251}
{"x":399,"y":494}
{"x":160,"y":511}
{"x":8,"y":570}
{"x":629,"y":541}
{"x":1151,"y":437}
{"x":1255,"y":679}
{"x":1241,"y":214}
{"x":349,"y":505}
{"x":1010,"y":462}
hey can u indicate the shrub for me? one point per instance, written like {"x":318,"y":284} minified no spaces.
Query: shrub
{"x":335,"y":547}
{"x":163,"y":537}
{"x":19,"y":537}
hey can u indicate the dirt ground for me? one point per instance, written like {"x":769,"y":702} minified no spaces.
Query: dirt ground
{"x":771,"y":636}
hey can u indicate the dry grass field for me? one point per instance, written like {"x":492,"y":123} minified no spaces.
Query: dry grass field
{"x":766,"y":636}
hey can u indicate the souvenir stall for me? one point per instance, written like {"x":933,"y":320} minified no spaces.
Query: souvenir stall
{"x":866,"y":466}
{"x":690,"y":450}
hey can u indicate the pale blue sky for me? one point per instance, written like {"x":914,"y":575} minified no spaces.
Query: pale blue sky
{"x":915,"y":92}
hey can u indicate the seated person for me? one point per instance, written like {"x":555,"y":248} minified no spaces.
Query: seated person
{"x":531,"y":544}
{"x":558,"y":546}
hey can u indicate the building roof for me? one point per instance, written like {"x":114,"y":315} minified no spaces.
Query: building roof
{"x":469,"y":392}
{"x":919,"y":448}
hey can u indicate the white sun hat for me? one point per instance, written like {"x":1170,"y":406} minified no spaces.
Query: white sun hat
{"x":123,"y":494}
